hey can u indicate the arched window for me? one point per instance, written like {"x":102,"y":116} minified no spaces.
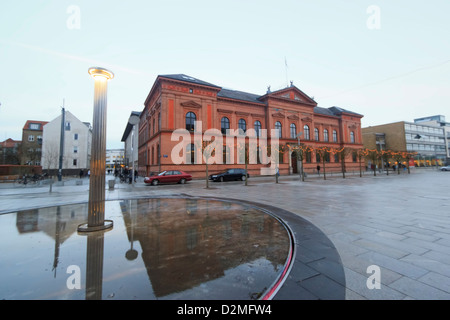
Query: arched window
{"x":242,"y":125}
{"x":306,"y":132}
{"x":325,"y":135}
{"x":278,"y":128}
{"x":190,"y":154}
{"x":316,"y":134}
{"x":190,"y":121}
{"x":335,"y":136}
{"x":293,"y":131}
{"x":224,"y":125}
{"x":352,"y":137}
{"x":257,"y":126}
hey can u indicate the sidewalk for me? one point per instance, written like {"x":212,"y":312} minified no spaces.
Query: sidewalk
{"x":399,"y":223}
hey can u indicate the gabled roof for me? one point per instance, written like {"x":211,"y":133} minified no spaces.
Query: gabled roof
{"x":185,"y":78}
{"x":291,"y":93}
{"x":27,"y":124}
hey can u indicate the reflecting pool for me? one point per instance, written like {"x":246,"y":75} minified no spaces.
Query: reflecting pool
{"x":170,"y":248}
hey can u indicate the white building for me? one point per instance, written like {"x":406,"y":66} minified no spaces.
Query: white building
{"x":438,"y":121}
{"x":114,"y":158}
{"x":130,"y":137}
{"x":77,"y":144}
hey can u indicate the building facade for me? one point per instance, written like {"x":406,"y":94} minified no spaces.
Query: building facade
{"x":115,"y":158}
{"x":180,"y":102}
{"x":77,"y":144}
{"x":426,"y":140}
{"x":131,"y":141}
{"x":438,"y":121}
{"x":10,"y":151}
{"x":32,"y":137}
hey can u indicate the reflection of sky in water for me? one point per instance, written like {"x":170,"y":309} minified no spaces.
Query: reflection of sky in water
{"x":158,"y":249}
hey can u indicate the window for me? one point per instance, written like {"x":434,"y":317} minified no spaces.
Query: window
{"x":306,"y":132}
{"x":30,"y":138}
{"x":75,"y":149}
{"x":74,"y":162}
{"x":316,"y":134}
{"x":75,"y":136}
{"x":278,"y":128}
{"x":67,"y":126}
{"x":293,"y":131}
{"x":308,"y":156}
{"x":352,"y":137}
{"x":242,"y":125}
{"x":190,"y":121}
{"x":334,"y":136}
{"x":34,"y":126}
{"x":226,"y":155}
{"x":325,"y":135}
{"x":190,"y":154}
{"x":257,"y":126}
{"x":159,"y":121}
{"x":336,"y":157}
{"x":158,"y":154}
{"x":224,"y":125}
{"x":280,"y":156}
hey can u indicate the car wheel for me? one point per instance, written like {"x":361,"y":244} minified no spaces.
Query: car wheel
{"x":221,"y":179}
{"x":155,"y":182}
{"x":243,"y":178}
{"x":183,"y":181}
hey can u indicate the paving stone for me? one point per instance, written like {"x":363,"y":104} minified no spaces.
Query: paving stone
{"x":398,"y":266}
{"x":418,"y":290}
{"x":436,"y":280}
{"x":358,"y":283}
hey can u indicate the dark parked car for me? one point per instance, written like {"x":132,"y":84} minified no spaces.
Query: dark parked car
{"x":170,"y":176}
{"x":230,"y":174}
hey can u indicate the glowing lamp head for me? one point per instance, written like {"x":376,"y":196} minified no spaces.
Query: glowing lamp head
{"x":100,"y":72}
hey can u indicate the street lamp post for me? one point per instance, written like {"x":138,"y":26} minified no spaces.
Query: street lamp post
{"x":96,"y":205}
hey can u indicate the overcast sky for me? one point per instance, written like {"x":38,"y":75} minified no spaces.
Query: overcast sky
{"x":386,"y":59}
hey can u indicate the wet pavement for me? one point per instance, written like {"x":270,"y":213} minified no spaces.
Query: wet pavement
{"x":348,"y":233}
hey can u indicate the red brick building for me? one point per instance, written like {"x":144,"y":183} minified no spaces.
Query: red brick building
{"x":176,"y":101}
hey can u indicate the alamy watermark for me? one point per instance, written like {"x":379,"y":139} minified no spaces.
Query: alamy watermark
{"x":374,"y":280}
{"x":208,"y":147}
{"x":374,"y":20}
{"x":74,"y":19}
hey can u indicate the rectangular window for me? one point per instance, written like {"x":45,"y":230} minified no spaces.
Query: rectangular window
{"x":75,"y":136}
{"x":75,"y":149}
{"x":67,"y":126}
{"x":74,"y":162}
{"x":30,"y":138}
{"x":34,"y":126}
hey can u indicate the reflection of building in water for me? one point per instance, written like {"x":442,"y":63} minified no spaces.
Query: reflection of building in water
{"x":58,"y":222}
{"x":198,"y":240}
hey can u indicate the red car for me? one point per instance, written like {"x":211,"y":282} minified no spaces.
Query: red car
{"x":170,"y":176}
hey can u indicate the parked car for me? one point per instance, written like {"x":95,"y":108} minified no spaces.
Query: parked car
{"x":446,"y":168}
{"x":230,"y":174}
{"x":168,"y":176}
